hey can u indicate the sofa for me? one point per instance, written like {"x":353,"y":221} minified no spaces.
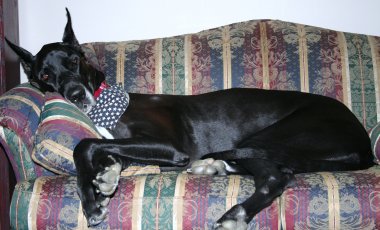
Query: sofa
{"x":38,"y":131}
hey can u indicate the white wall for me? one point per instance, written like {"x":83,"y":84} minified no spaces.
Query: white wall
{"x":43,"y":21}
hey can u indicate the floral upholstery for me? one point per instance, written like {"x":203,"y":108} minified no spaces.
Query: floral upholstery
{"x":20,"y":110}
{"x":62,"y":126}
{"x":181,"y":201}
{"x":258,"y":54}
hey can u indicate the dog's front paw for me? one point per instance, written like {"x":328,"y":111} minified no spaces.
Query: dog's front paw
{"x":208,"y":167}
{"x":97,"y":216}
{"x":234,"y":219}
{"x":180,"y":159}
{"x":106,"y":181}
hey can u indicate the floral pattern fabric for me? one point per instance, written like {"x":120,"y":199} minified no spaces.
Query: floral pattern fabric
{"x":341,"y":200}
{"x":265,"y":54}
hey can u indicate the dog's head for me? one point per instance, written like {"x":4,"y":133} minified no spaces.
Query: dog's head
{"x":62,"y":67}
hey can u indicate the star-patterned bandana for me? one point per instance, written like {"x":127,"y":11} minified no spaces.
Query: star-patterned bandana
{"x":110,"y":105}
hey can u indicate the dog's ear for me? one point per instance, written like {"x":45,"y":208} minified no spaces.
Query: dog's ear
{"x":68,"y":35}
{"x":26,"y":58}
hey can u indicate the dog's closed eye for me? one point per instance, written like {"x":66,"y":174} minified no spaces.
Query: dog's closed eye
{"x":75,"y":61}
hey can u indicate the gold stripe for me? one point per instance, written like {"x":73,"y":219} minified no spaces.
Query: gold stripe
{"x":46,"y":165}
{"x":21,"y":157}
{"x":17,"y":206}
{"x":24,"y":100}
{"x":375,"y":50}
{"x":188,"y":66}
{"x":345,"y":71}
{"x":232,"y":191}
{"x":304,"y":70}
{"x":226,"y":57}
{"x":140,"y":170}
{"x":137,"y":202}
{"x":54,"y":146}
{"x":2,"y":134}
{"x":333,"y":199}
{"x":34,"y":201}
{"x":282,"y":217}
{"x":178,"y":201}
{"x":158,"y":60}
{"x":120,"y":64}
{"x":82,"y":221}
{"x":264,"y":55}
{"x":73,"y":120}
{"x":57,"y":100}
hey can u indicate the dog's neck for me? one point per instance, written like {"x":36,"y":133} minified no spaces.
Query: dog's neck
{"x":102,"y":86}
{"x":111,"y":102}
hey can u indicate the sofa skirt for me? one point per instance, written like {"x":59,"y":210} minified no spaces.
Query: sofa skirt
{"x":339,"y":200}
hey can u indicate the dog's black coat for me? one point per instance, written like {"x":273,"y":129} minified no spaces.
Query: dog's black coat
{"x":268,"y":134}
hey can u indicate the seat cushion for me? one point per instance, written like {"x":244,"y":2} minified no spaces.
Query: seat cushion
{"x":340,"y":200}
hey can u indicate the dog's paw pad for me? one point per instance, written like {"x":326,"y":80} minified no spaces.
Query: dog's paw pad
{"x":107,"y":180}
{"x":231,"y":225}
{"x":208,"y":167}
{"x":234,"y":219}
{"x":98,"y":218}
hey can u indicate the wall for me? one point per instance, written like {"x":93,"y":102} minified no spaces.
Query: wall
{"x":43,"y":21}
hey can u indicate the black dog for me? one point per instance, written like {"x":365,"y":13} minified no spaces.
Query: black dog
{"x":268,"y":134}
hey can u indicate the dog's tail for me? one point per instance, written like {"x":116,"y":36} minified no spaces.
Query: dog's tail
{"x":296,"y":162}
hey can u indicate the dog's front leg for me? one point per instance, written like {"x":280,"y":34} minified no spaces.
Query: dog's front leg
{"x":100,"y":161}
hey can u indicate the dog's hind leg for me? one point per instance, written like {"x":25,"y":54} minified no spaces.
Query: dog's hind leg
{"x":298,"y":143}
{"x":270,"y":181}
{"x":100,"y":161}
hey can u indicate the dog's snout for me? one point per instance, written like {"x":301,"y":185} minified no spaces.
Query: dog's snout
{"x":80,"y":96}
{"x":77,"y":95}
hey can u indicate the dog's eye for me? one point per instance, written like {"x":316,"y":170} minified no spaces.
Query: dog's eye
{"x":75,"y":61}
{"x":45,"y":77}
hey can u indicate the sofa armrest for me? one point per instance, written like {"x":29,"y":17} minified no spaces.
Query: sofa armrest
{"x":19,"y":117}
{"x":7,"y":183}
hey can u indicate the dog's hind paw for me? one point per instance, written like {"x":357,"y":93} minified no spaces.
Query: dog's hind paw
{"x":208,"y":167}
{"x":98,"y":218}
{"x":107,"y":180}
{"x":231,"y":225}
{"x":234,"y":219}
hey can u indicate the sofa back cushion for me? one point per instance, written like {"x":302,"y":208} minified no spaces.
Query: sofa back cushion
{"x":265,"y":54}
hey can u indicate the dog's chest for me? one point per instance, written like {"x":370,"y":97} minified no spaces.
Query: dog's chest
{"x":137,"y":122}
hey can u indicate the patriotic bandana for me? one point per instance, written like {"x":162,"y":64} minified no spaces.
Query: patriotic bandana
{"x":111,"y":103}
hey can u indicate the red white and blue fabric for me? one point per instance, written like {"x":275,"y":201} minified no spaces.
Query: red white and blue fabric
{"x":110,"y":105}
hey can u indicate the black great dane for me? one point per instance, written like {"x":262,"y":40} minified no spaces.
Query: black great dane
{"x":270,"y":135}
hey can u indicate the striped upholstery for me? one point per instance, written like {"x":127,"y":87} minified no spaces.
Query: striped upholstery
{"x":259,"y":54}
{"x":62,"y":126}
{"x":181,"y":201}
{"x":20,"y":109}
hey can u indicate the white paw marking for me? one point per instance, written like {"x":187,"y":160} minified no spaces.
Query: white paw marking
{"x":106,"y":181}
{"x":208,"y":167}
{"x":238,"y":223}
{"x":234,"y":225}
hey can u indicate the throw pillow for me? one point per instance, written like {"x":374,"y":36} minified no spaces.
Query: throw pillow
{"x":62,"y":125}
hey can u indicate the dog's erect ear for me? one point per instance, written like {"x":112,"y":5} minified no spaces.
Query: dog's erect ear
{"x":68,"y":35}
{"x":26,"y":58}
